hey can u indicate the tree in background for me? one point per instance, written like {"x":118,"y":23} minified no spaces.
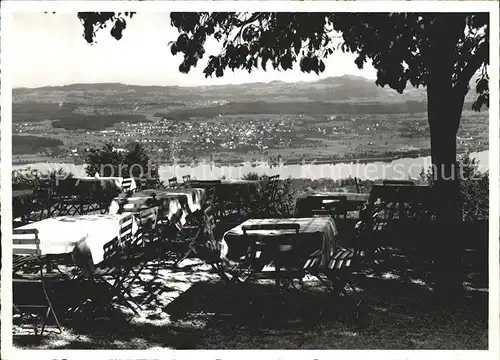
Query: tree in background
{"x":107,"y":161}
{"x":441,"y":51}
{"x":140,"y":165}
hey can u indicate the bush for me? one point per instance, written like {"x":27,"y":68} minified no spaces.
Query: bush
{"x":29,"y":178}
{"x":286,"y":196}
{"x":474,"y":188}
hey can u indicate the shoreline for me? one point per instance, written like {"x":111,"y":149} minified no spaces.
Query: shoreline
{"x":255,"y":163}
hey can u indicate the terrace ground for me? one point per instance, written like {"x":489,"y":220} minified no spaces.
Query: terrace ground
{"x":194,"y":309}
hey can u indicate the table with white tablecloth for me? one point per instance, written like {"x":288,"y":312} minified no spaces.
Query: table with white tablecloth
{"x":79,"y":196}
{"x":307,"y":202}
{"x":84,"y":236}
{"x":318,"y":233}
{"x":174,"y":204}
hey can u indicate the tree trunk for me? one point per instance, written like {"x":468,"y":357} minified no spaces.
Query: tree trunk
{"x":444,"y":109}
{"x":447,"y":193}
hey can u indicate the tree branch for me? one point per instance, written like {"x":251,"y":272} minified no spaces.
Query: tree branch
{"x":472,"y":66}
{"x":251,"y":19}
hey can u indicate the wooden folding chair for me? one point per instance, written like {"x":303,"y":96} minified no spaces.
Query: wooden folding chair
{"x":188,"y":235}
{"x":207,"y":247}
{"x":142,"y":247}
{"x":113,"y":270}
{"x":270,"y":197}
{"x":338,"y":273}
{"x":281,"y":251}
{"x":190,"y":232}
{"x":27,"y":289}
{"x":210,"y":197}
{"x":147,"y":220}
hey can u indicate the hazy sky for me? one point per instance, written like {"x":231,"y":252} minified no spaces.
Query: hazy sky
{"x":49,"y":49}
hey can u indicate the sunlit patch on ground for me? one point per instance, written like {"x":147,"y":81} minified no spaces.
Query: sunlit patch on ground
{"x":193,"y":309}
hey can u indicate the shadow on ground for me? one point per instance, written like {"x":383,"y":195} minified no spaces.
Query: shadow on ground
{"x":193,"y":309}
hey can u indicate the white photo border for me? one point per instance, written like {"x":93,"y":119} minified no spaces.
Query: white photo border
{"x":10,"y":7}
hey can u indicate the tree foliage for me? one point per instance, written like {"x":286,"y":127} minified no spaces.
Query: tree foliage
{"x":107,"y":161}
{"x":474,"y":188}
{"x":399,"y":45}
{"x":29,"y":178}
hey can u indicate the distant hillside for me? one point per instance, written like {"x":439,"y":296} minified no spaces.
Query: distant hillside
{"x":66,"y":117}
{"x":28,"y":144}
{"x":114,"y":102}
{"x":332,"y":89}
{"x":343,"y":88}
{"x":307,"y":108}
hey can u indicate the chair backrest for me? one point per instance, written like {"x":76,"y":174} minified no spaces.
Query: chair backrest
{"x":209,"y":196}
{"x":205,"y":183}
{"x":126,"y":185}
{"x":125,"y":233}
{"x":209,"y":220}
{"x":333,"y":203}
{"x":44,"y":189}
{"x":149,"y":217}
{"x":398,"y":182}
{"x":114,"y":247}
{"x":321,"y":213}
{"x":325,"y":198}
{"x":140,"y":183}
{"x":172,"y":181}
{"x":278,"y":226}
{"x":272,"y":185}
{"x":281,"y":243}
{"x":356,"y":182}
{"x":25,"y":242}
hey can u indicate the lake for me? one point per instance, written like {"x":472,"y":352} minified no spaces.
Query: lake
{"x":399,"y":169}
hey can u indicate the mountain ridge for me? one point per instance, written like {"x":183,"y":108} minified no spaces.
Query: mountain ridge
{"x":345,"y":88}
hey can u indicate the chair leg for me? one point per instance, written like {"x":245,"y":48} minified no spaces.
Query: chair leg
{"x":137,"y":276}
{"x":220,"y":271}
{"x":184,"y":257}
{"x":121,"y":290}
{"x":32,"y":317}
{"x":49,"y":309}
{"x":191,"y":250}
{"x":47,"y":313}
{"x":35,"y":326}
{"x":117,"y":287}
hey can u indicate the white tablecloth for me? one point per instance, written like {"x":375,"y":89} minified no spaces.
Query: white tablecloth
{"x":171,"y":202}
{"x":117,"y":181}
{"x":60,"y":235}
{"x":322,"y":229}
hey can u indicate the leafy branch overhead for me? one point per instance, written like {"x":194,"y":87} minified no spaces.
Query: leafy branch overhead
{"x":95,"y":21}
{"x":400,"y":46}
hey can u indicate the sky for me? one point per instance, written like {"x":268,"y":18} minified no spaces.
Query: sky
{"x":49,"y":49}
